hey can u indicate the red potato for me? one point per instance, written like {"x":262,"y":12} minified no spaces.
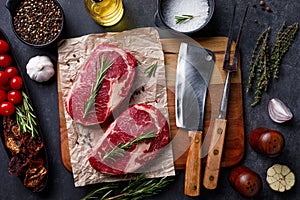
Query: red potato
{"x":245,"y":181}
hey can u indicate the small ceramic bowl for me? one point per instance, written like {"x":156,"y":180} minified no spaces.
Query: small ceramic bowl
{"x":38,"y":24}
{"x":201,"y":12}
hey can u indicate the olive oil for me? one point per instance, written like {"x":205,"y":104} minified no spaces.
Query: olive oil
{"x":105,"y":12}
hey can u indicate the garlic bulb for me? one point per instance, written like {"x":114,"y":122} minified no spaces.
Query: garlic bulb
{"x":278,"y":111}
{"x":40,"y":68}
{"x":280,"y":178}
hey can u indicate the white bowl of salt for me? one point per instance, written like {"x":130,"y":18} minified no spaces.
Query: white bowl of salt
{"x":186,"y":16}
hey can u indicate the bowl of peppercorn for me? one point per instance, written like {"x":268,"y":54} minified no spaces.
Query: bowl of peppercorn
{"x":38,"y":23}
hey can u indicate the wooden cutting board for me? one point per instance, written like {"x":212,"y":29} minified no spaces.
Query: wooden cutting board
{"x":234,"y":141}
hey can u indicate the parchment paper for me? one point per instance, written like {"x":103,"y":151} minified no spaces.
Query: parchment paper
{"x":145,"y":46}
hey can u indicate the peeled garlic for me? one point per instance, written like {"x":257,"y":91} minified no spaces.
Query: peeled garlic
{"x":280,"y":178}
{"x":278,"y":111}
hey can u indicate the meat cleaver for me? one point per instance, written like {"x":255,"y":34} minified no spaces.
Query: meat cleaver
{"x":194,"y":68}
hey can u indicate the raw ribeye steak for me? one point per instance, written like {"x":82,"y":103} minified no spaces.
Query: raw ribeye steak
{"x":109,"y":155}
{"x":114,"y":87}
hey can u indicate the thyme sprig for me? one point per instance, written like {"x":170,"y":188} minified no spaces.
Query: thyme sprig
{"x":137,"y":189}
{"x":180,"y":19}
{"x":104,"y":67}
{"x":25,"y":117}
{"x":260,"y":67}
{"x":284,"y":39}
{"x":119,"y":149}
{"x":257,"y":55}
{"x":151,"y":70}
{"x":264,"y":64}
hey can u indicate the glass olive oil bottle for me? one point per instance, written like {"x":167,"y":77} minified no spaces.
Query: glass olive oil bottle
{"x":105,"y":12}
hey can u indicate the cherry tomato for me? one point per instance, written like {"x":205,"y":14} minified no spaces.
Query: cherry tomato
{"x":11,"y":71}
{"x":4,"y":48}
{"x":7,"y":109}
{"x":16,"y":82}
{"x":2,"y":96}
{"x":5,"y":87}
{"x":3,"y":78}
{"x":5,"y":60}
{"x":14,"y":96}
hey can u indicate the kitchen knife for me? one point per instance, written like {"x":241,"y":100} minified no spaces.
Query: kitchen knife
{"x":194,"y":69}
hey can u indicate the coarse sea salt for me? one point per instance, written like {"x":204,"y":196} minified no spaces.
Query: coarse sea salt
{"x":197,"y":8}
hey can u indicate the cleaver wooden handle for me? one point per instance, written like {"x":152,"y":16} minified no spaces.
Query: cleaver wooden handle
{"x":213,"y":163}
{"x":193,"y":165}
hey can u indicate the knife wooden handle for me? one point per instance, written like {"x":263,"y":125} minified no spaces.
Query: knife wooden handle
{"x":193,"y":165}
{"x":214,"y":156}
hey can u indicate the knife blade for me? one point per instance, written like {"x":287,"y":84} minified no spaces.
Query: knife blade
{"x":194,"y":69}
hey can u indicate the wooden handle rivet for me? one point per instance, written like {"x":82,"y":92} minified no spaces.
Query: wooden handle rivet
{"x":211,"y":178}
{"x":197,"y":141}
{"x":216,"y":152}
{"x":195,"y":187}
{"x":219,"y":131}
{"x":196,"y":164}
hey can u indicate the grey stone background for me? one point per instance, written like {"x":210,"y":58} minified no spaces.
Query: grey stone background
{"x":139,"y":13}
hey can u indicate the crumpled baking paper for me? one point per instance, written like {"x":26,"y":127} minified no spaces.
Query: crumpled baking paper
{"x":144,"y":44}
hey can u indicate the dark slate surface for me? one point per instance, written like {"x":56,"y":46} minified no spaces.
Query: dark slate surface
{"x":139,"y":13}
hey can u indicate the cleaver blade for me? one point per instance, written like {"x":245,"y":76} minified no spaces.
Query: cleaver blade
{"x":194,"y":69}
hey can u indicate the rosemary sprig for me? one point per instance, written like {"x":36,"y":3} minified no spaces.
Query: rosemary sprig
{"x":180,"y":19}
{"x":106,"y":189}
{"x":137,"y":189}
{"x":104,"y":66}
{"x":151,"y":70}
{"x":26,"y":118}
{"x":119,"y":149}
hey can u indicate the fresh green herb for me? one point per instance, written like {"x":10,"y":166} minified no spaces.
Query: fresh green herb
{"x":104,"y":66}
{"x":151,"y":70}
{"x":257,"y":56}
{"x":137,"y":189}
{"x":95,"y":194}
{"x":183,"y":18}
{"x":26,"y":118}
{"x":260,"y":68}
{"x":119,"y":149}
{"x":264,"y":63}
{"x":284,"y":39}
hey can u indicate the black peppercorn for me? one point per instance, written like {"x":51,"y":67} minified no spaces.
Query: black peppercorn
{"x":38,"y":21}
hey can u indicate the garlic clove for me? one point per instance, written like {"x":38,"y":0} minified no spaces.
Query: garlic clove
{"x":278,"y":111}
